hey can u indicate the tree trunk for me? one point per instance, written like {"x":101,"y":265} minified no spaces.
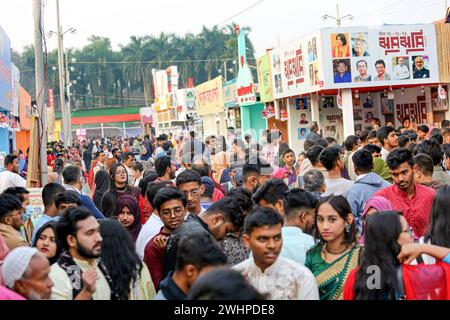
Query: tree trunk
{"x":146,"y":95}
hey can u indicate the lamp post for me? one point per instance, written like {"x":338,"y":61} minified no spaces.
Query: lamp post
{"x":338,"y":17}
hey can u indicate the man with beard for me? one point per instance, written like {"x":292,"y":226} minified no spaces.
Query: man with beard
{"x":10,"y":176}
{"x":255,"y":173}
{"x":299,"y":207}
{"x":78,"y":274}
{"x":165,"y":169}
{"x":413,"y":200}
{"x":11,"y":221}
{"x":26,"y":272}
{"x":170,"y":203}
{"x":279,"y":278}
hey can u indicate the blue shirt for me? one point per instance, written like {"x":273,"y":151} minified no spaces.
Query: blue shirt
{"x":446,"y":259}
{"x":42,"y":220}
{"x":295,"y":244}
{"x":346,"y":78}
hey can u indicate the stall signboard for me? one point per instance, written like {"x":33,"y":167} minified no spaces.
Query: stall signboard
{"x":265,"y":79}
{"x":296,"y":67}
{"x":5,"y":72}
{"x":230,"y":98}
{"x":15,"y":77}
{"x":358,"y":57}
{"x":209,"y":97}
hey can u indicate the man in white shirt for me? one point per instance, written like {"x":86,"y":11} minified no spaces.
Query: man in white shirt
{"x":78,"y":274}
{"x":401,"y":70}
{"x":129,"y":160}
{"x":10,"y":176}
{"x":278,"y":277}
{"x":388,"y":138}
{"x":332,"y":159}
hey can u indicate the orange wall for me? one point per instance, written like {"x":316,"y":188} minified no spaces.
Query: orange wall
{"x":23,"y":141}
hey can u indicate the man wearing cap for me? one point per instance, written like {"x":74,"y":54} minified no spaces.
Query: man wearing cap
{"x":26,"y":272}
{"x":11,"y":221}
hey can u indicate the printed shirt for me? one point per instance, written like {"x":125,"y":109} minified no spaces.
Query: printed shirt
{"x":416,"y":210}
{"x":284,"y":280}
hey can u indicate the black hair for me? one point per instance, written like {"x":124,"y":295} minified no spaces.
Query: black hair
{"x":309,"y":144}
{"x":68,"y":197}
{"x":17,"y":192}
{"x":243,"y":198}
{"x":9,"y":159}
{"x":161,"y":165}
{"x":297,"y":199}
{"x":8,"y":203}
{"x":425,"y":164}
{"x":167,"y":146}
{"x":383,"y":133}
{"x":230,"y":209}
{"x":351,"y":141}
{"x":382,"y":231}
{"x":224,"y":284}
{"x":262,"y":217}
{"x":52,"y":225}
{"x":380,"y":62}
{"x":329,"y":157}
{"x":313,"y":180}
{"x":71,"y":174}
{"x":342,"y":207}
{"x":446,"y":149}
{"x":411,"y":135}
{"x":139,"y":167}
{"x":363,"y":161}
{"x":286,"y":151}
{"x":188,"y":176}
{"x":431,"y":148}
{"x":249,"y":170}
{"x":343,"y":38}
{"x":199,"y":250}
{"x":445,"y":123}
{"x":271,"y":191}
{"x":423,"y":128}
{"x":153,"y":188}
{"x":148,"y":178}
{"x":50,"y":192}
{"x":321,"y":143}
{"x":399,"y":156}
{"x":330,"y":140}
{"x":67,"y":225}
{"x":437,"y":137}
{"x":59,"y":166}
{"x":168,"y":194}
{"x":372,"y":134}
{"x":124,"y":268}
{"x":127,"y":155}
{"x":313,"y":154}
{"x":438,"y":231}
{"x":372,"y":148}
{"x":112,"y":173}
{"x":403,"y":140}
{"x":203,"y":168}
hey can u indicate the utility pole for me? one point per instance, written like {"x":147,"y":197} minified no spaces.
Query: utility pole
{"x":67,"y":133}
{"x":338,"y":17}
{"x":40,"y":90}
{"x":225,"y":70}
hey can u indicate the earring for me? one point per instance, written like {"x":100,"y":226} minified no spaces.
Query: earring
{"x":347,"y":228}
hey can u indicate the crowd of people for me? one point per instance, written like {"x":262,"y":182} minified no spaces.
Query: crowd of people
{"x":180,"y":217}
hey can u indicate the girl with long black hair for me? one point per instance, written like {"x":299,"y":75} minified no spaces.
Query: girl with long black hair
{"x":129,"y":275}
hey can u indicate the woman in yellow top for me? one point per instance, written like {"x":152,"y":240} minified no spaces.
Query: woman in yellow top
{"x":131,"y":277}
{"x":341,"y":49}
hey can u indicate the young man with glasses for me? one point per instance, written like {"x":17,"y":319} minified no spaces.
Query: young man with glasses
{"x":190,"y":183}
{"x":170,"y":203}
{"x":11,"y":221}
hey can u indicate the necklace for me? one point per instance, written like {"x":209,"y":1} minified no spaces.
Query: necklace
{"x":325,"y":250}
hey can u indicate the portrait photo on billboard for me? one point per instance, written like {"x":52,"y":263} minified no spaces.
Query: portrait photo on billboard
{"x":360,"y":45}
{"x":421,"y":67}
{"x":381,"y":67}
{"x":368,"y":103}
{"x":400,"y":68}
{"x":369,"y":117}
{"x":328,"y":103}
{"x":312,"y":80}
{"x":340,"y":45}
{"x":303,"y":133}
{"x":357,"y":115}
{"x":387,"y":105}
{"x":301,"y":104}
{"x":362,"y":73}
{"x":342,"y":71}
{"x":303,"y":119}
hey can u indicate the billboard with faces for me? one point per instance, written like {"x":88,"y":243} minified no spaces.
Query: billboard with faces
{"x":375,"y":56}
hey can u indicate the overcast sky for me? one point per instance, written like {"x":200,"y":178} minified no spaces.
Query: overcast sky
{"x":271,"y":20}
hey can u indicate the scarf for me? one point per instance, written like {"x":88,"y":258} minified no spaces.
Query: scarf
{"x":220,"y":164}
{"x":75,"y":273}
{"x":131,"y":203}
{"x":102,"y":183}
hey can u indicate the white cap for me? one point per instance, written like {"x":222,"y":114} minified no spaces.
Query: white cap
{"x":16,"y":264}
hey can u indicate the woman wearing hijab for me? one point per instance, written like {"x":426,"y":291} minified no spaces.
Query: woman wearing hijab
{"x":47,"y":242}
{"x":144,"y":154}
{"x":102,"y":184}
{"x":128,"y":215}
{"x":118,"y":186}
{"x":373,"y":205}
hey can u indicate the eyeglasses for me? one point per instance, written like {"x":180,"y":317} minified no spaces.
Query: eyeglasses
{"x":178,"y":212}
